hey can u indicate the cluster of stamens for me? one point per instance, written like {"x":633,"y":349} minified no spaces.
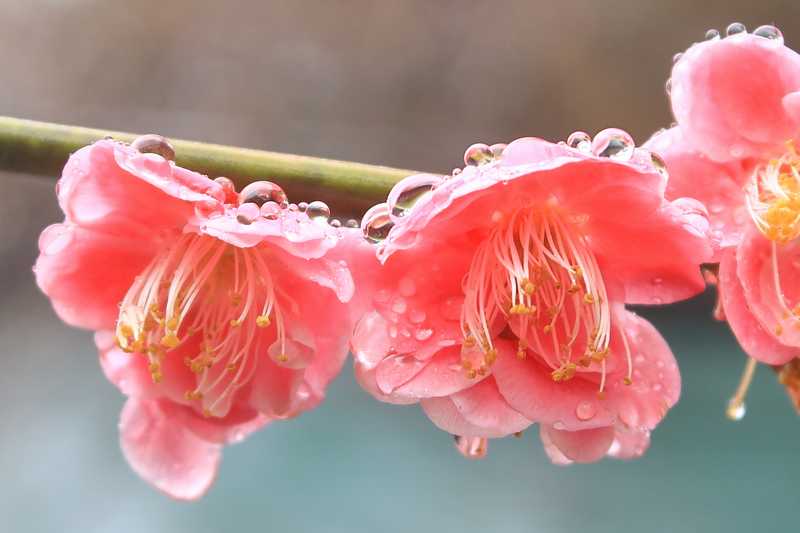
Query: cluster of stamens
{"x":536,"y":273}
{"x":203,"y":293}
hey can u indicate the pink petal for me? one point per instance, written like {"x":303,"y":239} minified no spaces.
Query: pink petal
{"x":585,"y":446}
{"x":164,"y":453}
{"x":113,"y":186}
{"x":727,"y":95}
{"x":86,"y":272}
{"x":718,"y":185}
{"x":754,"y":266}
{"x":758,"y":342}
{"x":441,"y":375}
{"x":629,"y":443}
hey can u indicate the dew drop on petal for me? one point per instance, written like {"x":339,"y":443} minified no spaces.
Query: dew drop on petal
{"x":735,"y":410}
{"x":376,"y":223}
{"x":270,"y":210}
{"x":335,"y":222}
{"x":154,"y":144}
{"x":659,"y":164}
{"x":585,"y":410}
{"x":559,"y":425}
{"x":413,"y":191}
{"x":318,"y":212}
{"x":770,"y":32}
{"x":302,"y":206}
{"x":399,"y":306}
{"x":416,"y":316}
{"x":498,"y":149}
{"x":351,"y":223}
{"x":613,"y":143}
{"x":423,"y":334}
{"x":261,"y":192}
{"x":478,"y":154}
{"x":677,"y":57}
{"x":581,"y":141}
{"x":735,"y":28}
{"x":712,"y":34}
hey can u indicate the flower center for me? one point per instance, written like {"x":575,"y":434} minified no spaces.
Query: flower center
{"x":203,"y":286}
{"x":773,"y":197}
{"x":536,"y":273}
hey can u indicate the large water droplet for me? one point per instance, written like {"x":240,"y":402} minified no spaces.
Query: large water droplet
{"x":735,"y":410}
{"x":261,"y":192}
{"x":613,"y":143}
{"x":423,"y":334}
{"x":411,"y":191}
{"x":377,"y":223}
{"x":270,"y":211}
{"x":498,"y":149}
{"x":712,"y":34}
{"x":154,"y":144}
{"x":659,"y":164}
{"x":399,"y":306}
{"x":769,"y":32}
{"x":735,"y":28}
{"x":478,"y":154}
{"x":580,"y":140}
{"x":318,"y":212}
{"x":585,"y":410}
{"x":472,"y":447}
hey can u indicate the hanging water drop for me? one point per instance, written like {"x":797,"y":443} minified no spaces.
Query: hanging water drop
{"x":478,"y":154}
{"x":376,"y":223}
{"x":677,"y":57}
{"x":735,"y":28}
{"x":270,"y":210}
{"x":581,"y":141}
{"x":351,"y":223}
{"x":302,"y":206}
{"x":318,"y":212}
{"x":668,"y":86}
{"x":613,"y":143}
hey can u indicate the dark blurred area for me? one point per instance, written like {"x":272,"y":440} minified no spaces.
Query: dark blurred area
{"x":407,"y":84}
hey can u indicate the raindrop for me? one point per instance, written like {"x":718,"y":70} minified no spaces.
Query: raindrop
{"x":247,"y":213}
{"x":351,"y":223}
{"x":416,"y":316}
{"x":293,"y":208}
{"x":668,"y":86}
{"x":478,"y":154}
{"x":498,"y":149}
{"x":677,"y":57}
{"x":302,"y":206}
{"x":581,"y":141}
{"x":261,"y":192}
{"x":456,"y":172}
{"x":659,"y":164}
{"x":585,"y":410}
{"x":270,"y":210}
{"x":411,"y":191}
{"x":735,"y":28}
{"x":735,"y":410}
{"x":399,"y":306}
{"x":472,"y":447}
{"x":376,"y":223}
{"x":712,"y":34}
{"x":318,"y":211}
{"x":335,"y":222}
{"x":154,"y":144}
{"x":613,"y":143}
{"x":769,"y":32}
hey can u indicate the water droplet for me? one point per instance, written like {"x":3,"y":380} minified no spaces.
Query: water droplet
{"x":382,"y":296}
{"x":393,"y":331}
{"x":247,"y":213}
{"x":668,"y":86}
{"x":261,"y":192}
{"x":659,"y":164}
{"x":639,"y":359}
{"x":585,"y":411}
{"x":423,"y":334}
{"x":472,"y":447}
{"x":580,"y":140}
{"x":660,"y":363}
{"x":376,"y":223}
{"x":735,"y":410}
{"x":351,"y":223}
{"x":657,"y":387}
{"x":318,"y":212}
{"x":416,"y":316}
{"x":712,"y":34}
{"x":478,"y":154}
{"x":677,"y":57}
{"x":455,"y":172}
{"x":559,"y":425}
{"x":406,"y":287}
{"x":769,"y":32}
{"x":498,"y":149}
{"x":613,"y":143}
{"x":735,"y":28}
{"x":302,"y":206}
{"x":410,"y":191}
{"x":154,"y":144}
{"x":399,"y":306}
{"x":270,"y":210}
{"x":293,"y":208}
{"x":658,"y":281}
{"x":335,"y":222}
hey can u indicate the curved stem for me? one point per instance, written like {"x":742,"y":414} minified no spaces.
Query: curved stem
{"x":43,"y":148}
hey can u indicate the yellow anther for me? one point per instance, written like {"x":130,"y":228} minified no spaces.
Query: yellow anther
{"x":585,"y":361}
{"x":527,"y":286}
{"x":262,"y":321}
{"x":231,"y":367}
{"x":601,"y":395}
{"x":778,"y":330}
{"x":547,"y":328}
{"x":235,"y":323}
{"x":519,"y":309}
{"x":283,"y":357}
{"x":627,"y":381}
{"x":172,"y":323}
{"x":170,"y":340}
{"x":471,"y":374}
{"x":469,"y":342}
{"x":490,"y":356}
{"x":588,"y":298}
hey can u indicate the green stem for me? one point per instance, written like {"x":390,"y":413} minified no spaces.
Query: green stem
{"x":43,"y":148}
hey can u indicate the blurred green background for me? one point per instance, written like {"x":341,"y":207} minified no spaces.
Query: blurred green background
{"x":401,"y":83}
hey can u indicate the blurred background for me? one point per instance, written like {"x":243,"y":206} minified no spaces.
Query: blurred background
{"x":408,"y":84}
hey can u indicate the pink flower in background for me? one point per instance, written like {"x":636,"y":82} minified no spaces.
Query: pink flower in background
{"x":206,"y":304}
{"x":737,"y":104}
{"x":501,"y":299}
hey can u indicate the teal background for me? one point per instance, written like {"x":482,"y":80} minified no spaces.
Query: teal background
{"x":400,"y":83}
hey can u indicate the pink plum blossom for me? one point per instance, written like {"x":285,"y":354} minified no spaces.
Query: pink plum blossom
{"x":501,"y":300}
{"x":206,"y":304}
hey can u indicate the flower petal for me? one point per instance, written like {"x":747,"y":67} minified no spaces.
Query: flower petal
{"x":584,"y":446}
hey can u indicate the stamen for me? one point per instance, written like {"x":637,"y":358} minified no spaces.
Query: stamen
{"x":736,"y":405}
